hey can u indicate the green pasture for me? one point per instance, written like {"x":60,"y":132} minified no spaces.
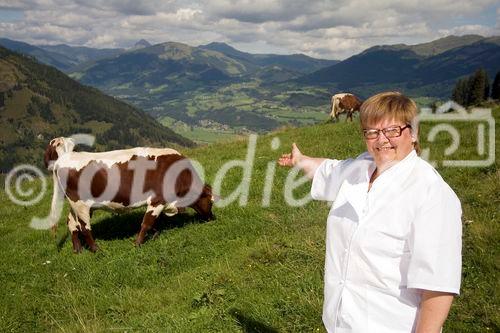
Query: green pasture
{"x":259,"y":108}
{"x":253,"y":269}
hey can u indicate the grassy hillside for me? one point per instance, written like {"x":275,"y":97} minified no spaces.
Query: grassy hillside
{"x":38,"y":103}
{"x":254,"y":269}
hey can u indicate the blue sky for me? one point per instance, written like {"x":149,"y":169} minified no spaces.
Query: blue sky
{"x":332,"y":29}
{"x":11,"y":15}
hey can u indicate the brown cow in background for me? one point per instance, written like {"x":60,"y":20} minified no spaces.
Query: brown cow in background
{"x":344,"y":103}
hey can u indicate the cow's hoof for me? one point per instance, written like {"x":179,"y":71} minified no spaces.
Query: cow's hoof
{"x":53,"y":232}
{"x":77,"y":249}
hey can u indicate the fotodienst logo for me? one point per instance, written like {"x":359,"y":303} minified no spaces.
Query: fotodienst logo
{"x":476,"y":127}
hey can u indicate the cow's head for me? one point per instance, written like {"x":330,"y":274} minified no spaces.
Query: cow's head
{"x":203,"y":205}
{"x":56,"y":148}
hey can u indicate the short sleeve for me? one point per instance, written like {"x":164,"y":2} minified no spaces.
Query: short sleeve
{"x":435,"y":242}
{"x":324,"y":181}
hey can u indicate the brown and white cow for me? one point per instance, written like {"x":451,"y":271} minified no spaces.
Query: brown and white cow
{"x":161,"y":179}
{"x":344,"y":103}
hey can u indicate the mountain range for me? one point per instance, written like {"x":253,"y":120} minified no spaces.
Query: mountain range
{"x":295,"y":62}
{"x":68,"y":58}
{"x":429,"y":69}
{"x":176,"y":67}
{"x":62,"y":57}
{"x":172,"y":68}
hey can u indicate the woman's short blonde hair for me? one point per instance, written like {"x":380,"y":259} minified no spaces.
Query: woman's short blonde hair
{"x":390,"y":105}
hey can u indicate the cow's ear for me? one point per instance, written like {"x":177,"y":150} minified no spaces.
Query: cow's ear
{"x":49,"y":157}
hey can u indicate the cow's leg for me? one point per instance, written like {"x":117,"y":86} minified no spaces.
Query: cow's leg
{"x":84,"y":221}
{"x":148,"y":221}
{"x":349,"y":115}
{"x":87,"y":236}
{"x":81,"y":223}
{"x":77,"y":246}
{"x":74,"y":230}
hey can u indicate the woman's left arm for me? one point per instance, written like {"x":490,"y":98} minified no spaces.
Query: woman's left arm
{"x":434,"y":308}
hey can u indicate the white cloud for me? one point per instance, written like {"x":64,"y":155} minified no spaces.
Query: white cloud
{"x":259,"y":11}
{"x":471,"y":29}
{"x":15,"y":4}
{"x":325,"y":28}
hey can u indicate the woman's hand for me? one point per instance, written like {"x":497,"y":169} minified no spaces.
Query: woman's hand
{"x":301,"y":161}
{"x":291,"y":159}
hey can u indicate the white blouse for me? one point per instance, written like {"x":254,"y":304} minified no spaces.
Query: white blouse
{"x":384,"y":245}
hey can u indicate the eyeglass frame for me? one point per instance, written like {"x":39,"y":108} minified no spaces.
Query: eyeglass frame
{"x":384,"y":130}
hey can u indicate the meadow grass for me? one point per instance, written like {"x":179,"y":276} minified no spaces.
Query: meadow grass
{"x":205,"y":135}
{"x":199,"y":134}
{"x":253,"y":269}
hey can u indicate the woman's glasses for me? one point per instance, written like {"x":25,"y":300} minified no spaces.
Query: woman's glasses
{"x":389,"y":132}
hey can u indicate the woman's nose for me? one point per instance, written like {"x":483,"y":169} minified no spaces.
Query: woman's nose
{"x":381,"y":137}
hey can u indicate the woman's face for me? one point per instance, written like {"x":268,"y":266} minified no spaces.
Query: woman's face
{"x":388,"y":151}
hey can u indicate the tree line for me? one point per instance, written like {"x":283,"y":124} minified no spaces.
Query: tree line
{"x":475,"y":89}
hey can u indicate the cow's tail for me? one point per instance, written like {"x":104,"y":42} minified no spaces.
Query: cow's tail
{"x":332,"y":107}
{"x":57,"y":201}
{"x":335,"y":108}
{"x":50,"y":222}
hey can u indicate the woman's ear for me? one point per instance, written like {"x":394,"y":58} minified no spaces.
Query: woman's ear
{"x":414,"y":133}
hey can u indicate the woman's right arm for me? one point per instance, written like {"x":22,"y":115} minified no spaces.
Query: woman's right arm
{"x":303,"y":162}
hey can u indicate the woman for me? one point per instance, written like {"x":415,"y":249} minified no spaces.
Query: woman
{"x":393,"y":243}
